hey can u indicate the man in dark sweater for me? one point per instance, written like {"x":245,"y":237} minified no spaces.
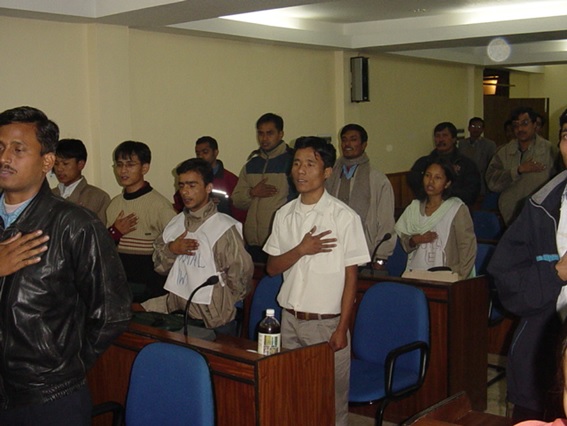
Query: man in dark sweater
{"x":467,"y":183}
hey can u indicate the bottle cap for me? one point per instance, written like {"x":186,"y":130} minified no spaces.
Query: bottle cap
{"x":270,"y":312}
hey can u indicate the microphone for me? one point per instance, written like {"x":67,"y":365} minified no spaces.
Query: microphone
{"x":385,"y":238}
{"x":212,"y":280}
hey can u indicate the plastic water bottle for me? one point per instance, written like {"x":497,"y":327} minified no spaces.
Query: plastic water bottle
{"x":269,"y":334}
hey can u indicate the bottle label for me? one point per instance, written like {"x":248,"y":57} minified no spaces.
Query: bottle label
{"x":269,"y":344}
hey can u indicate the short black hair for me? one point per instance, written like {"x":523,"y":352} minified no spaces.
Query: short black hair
{"x":210,"y":140}
{"x":523,"y":110}
{"x":446,"y":125}
{"x":46,"y":131}
{"x":475,"y":119}
{"x":197,"y":165}
{"x":449,"y":174}
{"x":270,"y":117}
{"x":71,"y":148}
{"x":562,"y":119}
{"x":128,"y":148}
{"x":325,"y":150}
{"x":357,"y":128}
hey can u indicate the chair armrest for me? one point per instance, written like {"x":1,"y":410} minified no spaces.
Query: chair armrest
{"x":391,"y":359}
{"x":115,"y":408}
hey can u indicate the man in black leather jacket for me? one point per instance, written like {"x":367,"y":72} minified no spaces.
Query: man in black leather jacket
{"x":63,"y":291}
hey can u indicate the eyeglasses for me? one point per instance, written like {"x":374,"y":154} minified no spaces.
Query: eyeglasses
{"x":129,"y":165}
{"x":522,"y":123}
{"x":477,"y":126}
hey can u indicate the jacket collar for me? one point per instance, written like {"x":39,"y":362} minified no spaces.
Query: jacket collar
{"x":22,"y":223}
{"x":279,"y":149}
{"x":549,"y":196}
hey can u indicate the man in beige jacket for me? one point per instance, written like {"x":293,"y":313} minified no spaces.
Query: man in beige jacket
{"x":197,"y":244}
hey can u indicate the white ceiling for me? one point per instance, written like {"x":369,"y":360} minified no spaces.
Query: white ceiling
{"x":534,"y":32}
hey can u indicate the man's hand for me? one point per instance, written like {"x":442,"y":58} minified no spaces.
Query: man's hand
{"x":263,"y":190}
{"x":428,"y":237}
{"x":19,"y":251}
{"x":338,"y":340}
{"x":182,"y":245}
{"x":125,"y":224}
{"x":313,"y":244}
{"x":561,"y":267}
{"x":531,"y":166}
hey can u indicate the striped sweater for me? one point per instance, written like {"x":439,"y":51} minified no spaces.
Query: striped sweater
{"x":154,"y":212}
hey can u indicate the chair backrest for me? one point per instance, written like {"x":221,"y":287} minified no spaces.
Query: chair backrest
{"x":490,"y":201}
{"x":483,"y":254}
{"x":170,"y":385}
{"x":397,"y":262}
{"x":390,"y":315}
{"x":265,"y":297}
{"x":487,"y":225}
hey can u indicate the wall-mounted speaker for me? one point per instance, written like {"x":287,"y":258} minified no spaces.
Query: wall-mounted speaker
{"x":359,"y":79}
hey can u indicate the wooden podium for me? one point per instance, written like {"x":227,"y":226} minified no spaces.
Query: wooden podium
{"x":293,"y":387}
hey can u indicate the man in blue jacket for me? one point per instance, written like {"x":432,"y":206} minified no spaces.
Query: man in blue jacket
{"x":530,"y":271}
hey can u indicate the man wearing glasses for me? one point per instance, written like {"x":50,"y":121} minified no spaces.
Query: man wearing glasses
{"x":521,"y":166}
{"x":136,"y":217}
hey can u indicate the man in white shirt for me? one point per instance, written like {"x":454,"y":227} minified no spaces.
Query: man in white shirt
{"x":317,"y":242}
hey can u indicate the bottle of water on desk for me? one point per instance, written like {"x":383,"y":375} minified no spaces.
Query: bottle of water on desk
{"x":269,"y":334}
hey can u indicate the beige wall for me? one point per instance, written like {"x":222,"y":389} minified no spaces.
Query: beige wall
{"x":185,"y":87}
{"x":106,"y":84}
{"x":551,"y":85}
{"x":408,"y":98}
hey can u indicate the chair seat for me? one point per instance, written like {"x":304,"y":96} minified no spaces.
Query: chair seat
{"x":367,"y":381}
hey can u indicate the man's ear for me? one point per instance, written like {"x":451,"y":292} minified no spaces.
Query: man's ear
{"x":145,"y":168}
{"x":209,"y":188}
{"x":328,"y":172}
{"x":48,"y":161}
{"x":81,"y":164}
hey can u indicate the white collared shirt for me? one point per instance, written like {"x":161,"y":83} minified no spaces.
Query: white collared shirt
{"x":315,"y":283}
{"x":66,"y":191}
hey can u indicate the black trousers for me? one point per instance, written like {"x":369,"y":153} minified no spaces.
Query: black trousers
{"x":71,"y":410}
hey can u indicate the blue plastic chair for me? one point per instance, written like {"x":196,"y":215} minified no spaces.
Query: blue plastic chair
{"x":170,"y":385}
{"x":483,"y":254}
{"x":397,"y":262}
{"x":390,"y":345}
{"x":265,"y":297}
{"x":487,"y":225}
{"x":496,"y":313}
{"x":490,"y":201}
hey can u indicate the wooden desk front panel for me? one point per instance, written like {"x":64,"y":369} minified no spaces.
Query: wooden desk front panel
{"x":285,"y":396}
{"x":292,"y":387}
